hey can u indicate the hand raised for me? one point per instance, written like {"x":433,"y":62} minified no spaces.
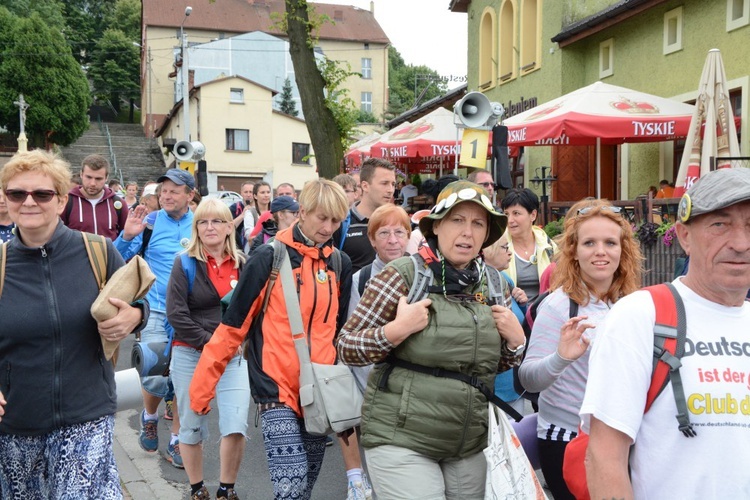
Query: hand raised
{"x":573,"y":343}
{"x":134,"y":225}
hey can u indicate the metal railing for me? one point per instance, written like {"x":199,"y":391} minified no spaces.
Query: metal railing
{"x":116,"y":172}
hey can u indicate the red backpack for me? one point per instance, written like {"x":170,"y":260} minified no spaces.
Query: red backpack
{"x":669,"y":346}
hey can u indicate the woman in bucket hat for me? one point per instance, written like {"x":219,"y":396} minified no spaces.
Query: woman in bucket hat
{"x":416,"y":424}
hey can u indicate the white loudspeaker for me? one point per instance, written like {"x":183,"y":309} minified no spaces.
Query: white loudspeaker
{"x":183,"y":150}
{"x":199,"y":150}
{"x":474,"y":109}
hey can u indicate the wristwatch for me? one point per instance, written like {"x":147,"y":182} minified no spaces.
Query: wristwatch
{"x":518,"y":350}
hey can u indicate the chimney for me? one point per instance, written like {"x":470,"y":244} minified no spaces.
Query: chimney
{"x":372,"y":7}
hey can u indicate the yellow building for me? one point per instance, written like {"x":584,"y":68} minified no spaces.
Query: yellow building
{"x":245,"y":138}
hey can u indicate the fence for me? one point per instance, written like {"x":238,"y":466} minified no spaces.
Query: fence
{"x":116,"y":172}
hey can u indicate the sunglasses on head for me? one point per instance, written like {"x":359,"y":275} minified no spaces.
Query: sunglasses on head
{"x":39,"y":195}
{"x":585,"y":210}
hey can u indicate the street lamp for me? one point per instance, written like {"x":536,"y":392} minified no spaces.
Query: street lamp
{"x":185,"y":77}
{"x":545,"y":179}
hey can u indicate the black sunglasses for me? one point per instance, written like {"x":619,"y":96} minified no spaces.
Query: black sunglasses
{"x":39,"y":195}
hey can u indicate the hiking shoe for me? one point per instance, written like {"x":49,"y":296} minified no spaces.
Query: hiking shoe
{"x":173,"y":455}
{"x":168,"y":410}
{"x":149,"y":438}
{"x":368,"y":487}
{"x":201,"y":494}
{"x":355,"y":491}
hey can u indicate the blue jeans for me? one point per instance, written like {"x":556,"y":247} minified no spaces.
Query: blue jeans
{"x":232,"y":396}
{"x":154,"y":331}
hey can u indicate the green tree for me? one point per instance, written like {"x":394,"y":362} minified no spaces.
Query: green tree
{"x":49,"y":10}
{"x":86,"y":21}
{"x":401,"y":82}
{"x":287,"y":103}
{"x":126,"y":17}
{"x":115,"y":69}
{"x":40,"y":65}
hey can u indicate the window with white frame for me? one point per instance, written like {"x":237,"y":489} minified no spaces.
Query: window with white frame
{"x":738,"y":14}
{"x":366,"y":68}
{"x":300,"y":153}
{"x":238,"y":139}
{"x":366,"y":102}
{"x":607,"y":58}
{"x":672,"y":31}
{"x":237,"y":96}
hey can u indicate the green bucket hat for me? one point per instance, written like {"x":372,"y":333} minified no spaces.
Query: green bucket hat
{"x":460,"y":192}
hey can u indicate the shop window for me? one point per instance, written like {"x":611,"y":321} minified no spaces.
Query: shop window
{"x":672,"y":31}
{"x":238,"y":139}
{"x":738,"y":14}
{"x":486,"y":50}
{"x":300,"y":153}
{"x":530,"y":20}
{"x":507,"y":36}
{"x":607,"y":58}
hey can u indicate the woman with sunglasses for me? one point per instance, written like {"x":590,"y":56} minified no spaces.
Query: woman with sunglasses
{"x":57,"y":431}
{"x":199,"y":279}
{"x":598,"y":262}
{"x":531,"y":247}
{"x":424,"y":434}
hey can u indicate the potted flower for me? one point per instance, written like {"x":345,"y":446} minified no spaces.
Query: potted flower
{"x":661,"y":250}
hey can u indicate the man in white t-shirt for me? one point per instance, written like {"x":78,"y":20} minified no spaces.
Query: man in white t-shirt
{"x":714,"y":230}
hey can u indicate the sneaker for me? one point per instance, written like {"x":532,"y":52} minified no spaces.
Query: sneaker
{"x":173,"y":455}
{"x":149,"y":438}
{"x":201,"y":494}
{"x":368,"y":487}
{"x":355,"y":491}
{"x":168,"y":410}
{"x":329,"y":441}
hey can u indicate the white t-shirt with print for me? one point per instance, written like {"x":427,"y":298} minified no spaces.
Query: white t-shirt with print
{"x":716,"y":376}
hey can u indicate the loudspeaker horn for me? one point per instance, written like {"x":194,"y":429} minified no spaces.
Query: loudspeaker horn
{"x":474,"y":109}
{"x":199,"y":150}
{"x":184,"y":151}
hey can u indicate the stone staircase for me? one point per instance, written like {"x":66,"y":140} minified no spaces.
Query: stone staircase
{"x":138,"y":157}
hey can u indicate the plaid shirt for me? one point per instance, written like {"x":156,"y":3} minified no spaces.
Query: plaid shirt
{"x":362,"y":340}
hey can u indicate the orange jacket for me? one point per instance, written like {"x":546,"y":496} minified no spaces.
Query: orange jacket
{"x":273,"y":364}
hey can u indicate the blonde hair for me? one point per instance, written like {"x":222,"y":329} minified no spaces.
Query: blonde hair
{"x":43,"y":162}
{"x":388,"y":214}
{"x":327,"y":197}
{"x":494,"y":250}
{"x":627,"y":277}
{"x":208,"y":209}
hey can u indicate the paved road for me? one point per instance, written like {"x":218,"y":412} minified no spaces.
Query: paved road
{"x":149,"y":476}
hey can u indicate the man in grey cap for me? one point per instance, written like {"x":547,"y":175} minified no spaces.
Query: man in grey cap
{"x":159,"y":236}
{"x":714,"y":230}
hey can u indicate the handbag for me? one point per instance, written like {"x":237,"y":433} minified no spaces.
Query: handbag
{"x":509,"y":472}
{"x":328,"y":394}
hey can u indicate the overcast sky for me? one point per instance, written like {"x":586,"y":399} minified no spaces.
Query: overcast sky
{"x":423,"y":31}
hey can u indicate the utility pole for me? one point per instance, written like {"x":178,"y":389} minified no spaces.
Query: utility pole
{"x":185,"y":77}
{"x":22,"y":107}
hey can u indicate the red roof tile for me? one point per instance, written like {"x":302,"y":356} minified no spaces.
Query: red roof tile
{"x":242,"y":16}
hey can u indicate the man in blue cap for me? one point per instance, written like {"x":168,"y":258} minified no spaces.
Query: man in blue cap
{"x":158,"y":237}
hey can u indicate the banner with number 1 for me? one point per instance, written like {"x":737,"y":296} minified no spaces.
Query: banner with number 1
{"x":474,"y":148}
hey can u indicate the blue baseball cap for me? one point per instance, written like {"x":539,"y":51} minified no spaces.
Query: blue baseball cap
{"x":179,"y":177}
{"x":284,"y":203}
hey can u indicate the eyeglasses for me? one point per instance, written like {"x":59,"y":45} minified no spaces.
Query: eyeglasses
{"x":585,"y":210}
{"x":349,"y":191}
{"x":210,"y":222}
{"x":384,"y":234}
{"x":486,"y":185}
{"x":505,"y":247}
{"x":39,"y":195}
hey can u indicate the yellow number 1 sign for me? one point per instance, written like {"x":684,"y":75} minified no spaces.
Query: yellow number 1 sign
{"x":474,"y":148}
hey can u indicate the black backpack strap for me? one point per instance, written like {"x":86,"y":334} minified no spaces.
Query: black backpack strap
{"x":364,"y":277}
{"x":422,"y":280}
{"x":472,"y":380}
{"x":572,"y":309}
{"x":336,"y":263}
